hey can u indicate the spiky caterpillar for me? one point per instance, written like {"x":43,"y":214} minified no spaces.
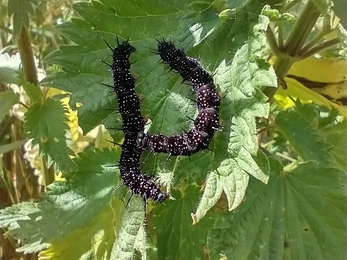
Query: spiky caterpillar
{"x":208,"y":102}
{"x":133,"y":126}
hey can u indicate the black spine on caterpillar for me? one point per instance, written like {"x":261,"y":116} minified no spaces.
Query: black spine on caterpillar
{"x":133,"y":126}
{"x":208,"y":102}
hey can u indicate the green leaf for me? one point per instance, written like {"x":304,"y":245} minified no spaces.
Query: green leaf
{"x":92,"y":109}
{"x":94,"y":240}
{"x":7,"y":100}
{"x":131,"y":235}
{"x":71,"y":205}
{"x":46,"y":124}
{"x":10,"y":69}
{"x":176,"y":237}
{"x":297,"y":215}
{"x":20,"y":11}
{"x":11,"y":215}
{"x":84,"y":60}
{"x":84,"y":71}
{"x":304,"y":138}
{"x":9,"y":147}
{"x":142,"y":14}
{"x":11,"y":72}
{"x":243,"y":101}
{"x":336,"y":135}
{"x":33,"y":91}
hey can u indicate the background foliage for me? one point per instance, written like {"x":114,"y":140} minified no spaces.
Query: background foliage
{"x":272,"y":184}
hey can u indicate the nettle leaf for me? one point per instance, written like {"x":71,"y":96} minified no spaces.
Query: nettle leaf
{"x":70,"y":206}
{"x":131,"y":234}
{"x":243,"y":102}
{"x":7,"y":100}
{"x":83,"y":70}
{"x":82,"y":64}
{"x":336,"y":135}
{"x":46,"y":124}
{"x":94,"y":240}
{"x":10,"y":215}
{"x":304,"y":138}
{"x":297,"y":215}
{"x":176,"y":237}
{"x":20,"y":11}
{"x":95,"y":109}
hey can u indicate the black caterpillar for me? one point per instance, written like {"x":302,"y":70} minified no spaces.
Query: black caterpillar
{"x":135,"y":140}
{"x":133,"y":126}
{"x":208,"y":102}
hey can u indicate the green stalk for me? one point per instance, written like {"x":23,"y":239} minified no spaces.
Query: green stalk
{"x":272,"y":42}
{"x":27,"y":56}
{"x":314,"y":41}
{"x":290,"y":52}
{"x":8,"y":186}
{"x":320,"y":47}
{"x":302,"y":28}
{"x":296,"y":40}
{"x":28,"y":62}
{"x":280,"y":35}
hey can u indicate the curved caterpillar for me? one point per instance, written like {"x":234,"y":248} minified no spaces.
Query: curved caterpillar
{"x":135,"y":140}
{"x":208,"y":102}
{"x":133,"y":126}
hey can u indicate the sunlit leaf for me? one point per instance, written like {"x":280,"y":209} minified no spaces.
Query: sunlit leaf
{"x":243,"y":102}
{"x":304,"y":138}
{"x":72,"y":205}
{"x":298,"y":215}
{"x":46,"y":124}
{"x":131,"y":233}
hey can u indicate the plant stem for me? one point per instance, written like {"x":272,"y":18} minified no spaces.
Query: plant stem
{"x":291,"y":50}
{"x":280,"y":35}
{"x":283,"y":65}
{"x":302,"y":28}
{"x":285,"y":157}
{"x":5,"y":29}
{"x":272,"y":42}
{"x":315,"y":40}
{"x":320,"y":47}
{"x":27,"y":57}
{"x":8,"y":186}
